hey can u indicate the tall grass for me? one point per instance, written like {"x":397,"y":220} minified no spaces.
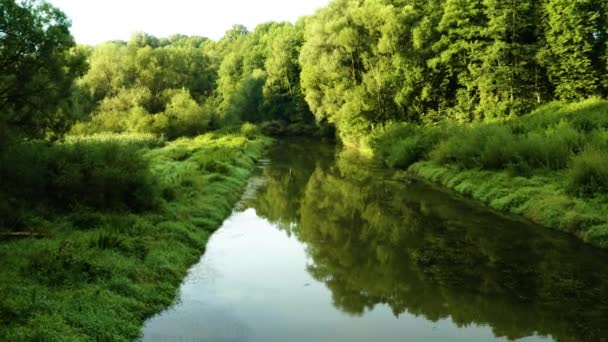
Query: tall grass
{"x":499,"y":146}
{"x":132,"y":139}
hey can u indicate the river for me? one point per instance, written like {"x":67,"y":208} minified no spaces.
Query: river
{"x":326,"y":246}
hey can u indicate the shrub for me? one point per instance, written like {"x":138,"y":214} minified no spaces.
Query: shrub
{"x":588,"y":173}
{"x":499,"y":146}
{"x":498,"y":149}
{"x":249,"y":130}
{"x":185,"y":117}
{"x":100,"y":175}
{"x":465,"y":147}
{"x":97,"y":173}
{"x":400,"y":145}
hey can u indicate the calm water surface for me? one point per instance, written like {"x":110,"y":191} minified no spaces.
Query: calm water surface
{"x":326,"y":247}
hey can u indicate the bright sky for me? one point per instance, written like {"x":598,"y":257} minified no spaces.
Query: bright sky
{"x":96,"y":21}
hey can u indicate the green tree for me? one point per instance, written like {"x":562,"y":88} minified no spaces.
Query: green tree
{"x":575,"y":49}
{"x":364,"y":63}
{"x":508,"y":78}
{"x":183,"y":117}
{"x":283,"y":95}
{"x":160,"y":68}
{"x":37,"y":68}
{"x":111,"y":69}
{"x":458,"y":52}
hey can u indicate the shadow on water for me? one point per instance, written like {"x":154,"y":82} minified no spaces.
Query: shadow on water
{"x":376,"y":240}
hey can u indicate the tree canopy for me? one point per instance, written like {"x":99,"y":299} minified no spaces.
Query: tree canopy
{"x":38,"y":63}
{"x":355,"y":64}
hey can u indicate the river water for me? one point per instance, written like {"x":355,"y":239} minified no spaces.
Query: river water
{"x":325,"y":246}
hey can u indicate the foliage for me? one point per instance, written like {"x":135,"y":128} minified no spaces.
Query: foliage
{"x":259,"y":75}
{"x":182,"y":118}
{"x":588,"y":173}
{"x":249,"y":130}
{"x":97,"y":274}
{"x":575,"y":53}
{"x":38,"y":63}
{"x":400,"y":145}
{"x":100,"y":174}
{"x":185,"y":86}
{"x":547,"y":139}
{"x":367,"y":63}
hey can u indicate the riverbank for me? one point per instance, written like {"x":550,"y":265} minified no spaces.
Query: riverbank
{"x":550,"y":166}
{"x":96,"y":274}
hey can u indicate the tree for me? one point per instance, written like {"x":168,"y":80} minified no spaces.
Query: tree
{"x":183,"y":116}
{"x":509,"y":80}
{"x":363,"y":64}
{"x":111,"y":69}
{"x":458,"y":52}
{"x":37,"y":68}
{"x":283,"y":95}
{"x":575,"y":49}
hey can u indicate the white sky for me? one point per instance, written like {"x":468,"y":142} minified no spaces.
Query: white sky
{"x":96,"y":21}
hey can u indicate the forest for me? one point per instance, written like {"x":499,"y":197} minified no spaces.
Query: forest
{"x":118,"y":161}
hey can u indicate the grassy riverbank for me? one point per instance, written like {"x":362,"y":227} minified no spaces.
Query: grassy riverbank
{"x":550,"y":166}
{"x":112,"y":248}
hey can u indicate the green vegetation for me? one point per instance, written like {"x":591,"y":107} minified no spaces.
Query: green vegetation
{"x":549,"y":166}
{"x":114,"y":230}
{"x":368,"y":63}
{"x":38,"y":64}
{"x":184,"y":86}
{"x":97,"y":228}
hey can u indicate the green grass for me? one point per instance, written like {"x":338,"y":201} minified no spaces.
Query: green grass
{"x":550,"y":166}
{"x":95,"y":274}
{"x":542,"y":199}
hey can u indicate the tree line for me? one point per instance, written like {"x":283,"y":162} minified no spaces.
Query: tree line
{"x":368,"y":62}
{"x":355,"y":64}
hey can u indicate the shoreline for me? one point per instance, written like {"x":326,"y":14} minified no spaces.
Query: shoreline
{"x":542,"y":203}
{"x":98,"y":275}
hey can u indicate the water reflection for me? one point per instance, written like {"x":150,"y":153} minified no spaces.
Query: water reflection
{"x":376,"y":240}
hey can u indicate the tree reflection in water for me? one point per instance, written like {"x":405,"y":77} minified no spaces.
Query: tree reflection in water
{"x":374,"y":239}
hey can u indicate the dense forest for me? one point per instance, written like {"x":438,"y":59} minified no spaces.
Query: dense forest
{"x":355,"y":65}
{"x":104,"y":149}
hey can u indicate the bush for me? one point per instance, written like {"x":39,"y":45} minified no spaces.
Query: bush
{"x":249,"y":130}
{"x":184,"y":117}
{"x":498,"y":146}
{"x":588,"y":173}
{"x":100,"y":175}
{"x":400,"y":145}
{"x":95,"y":173}
{"x":473,"y":147}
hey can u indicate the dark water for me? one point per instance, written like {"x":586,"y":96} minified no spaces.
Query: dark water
{"x":326,"y":247}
